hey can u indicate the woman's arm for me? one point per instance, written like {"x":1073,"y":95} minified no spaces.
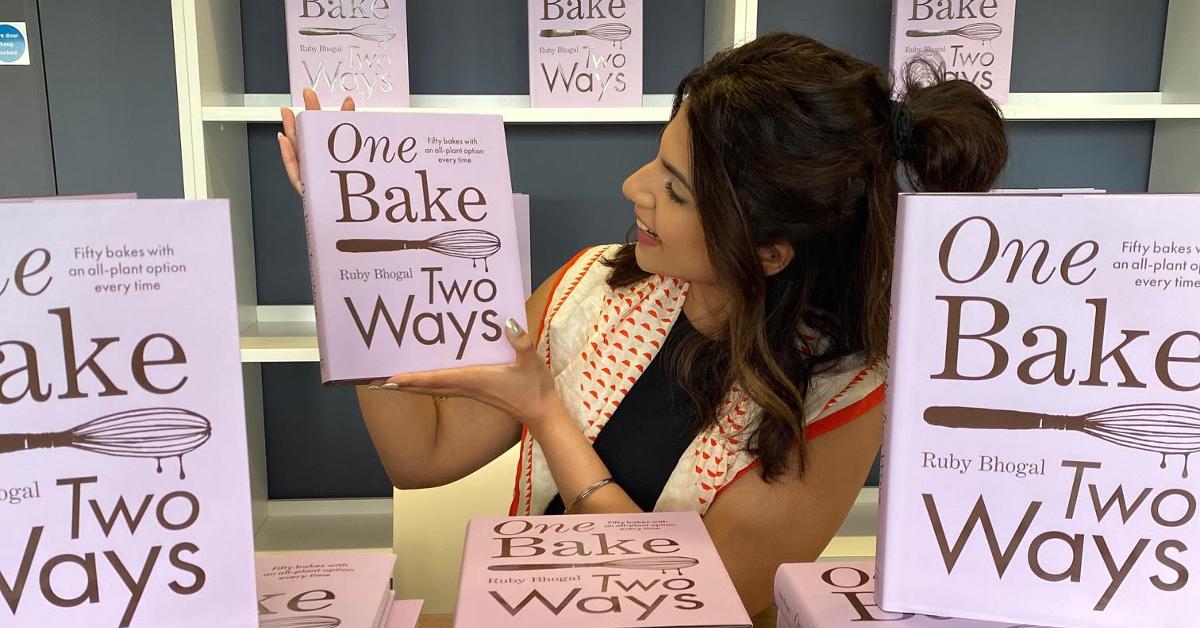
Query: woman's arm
{"x":756,"y":526}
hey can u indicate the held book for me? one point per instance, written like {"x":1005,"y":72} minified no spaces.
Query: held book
{"x":972,"y":40}
{"x":348,"y":589}
{"x":842,"y":595}
{"x":1042,"y":410}
{"x":125,"y":498}
{"x":585,"y":54}
{"x":412,"y":241}
{"x":356,"y":48}
{"x":618,"y":570}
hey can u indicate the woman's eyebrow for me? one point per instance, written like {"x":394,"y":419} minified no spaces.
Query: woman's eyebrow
{"x":675,"y":172}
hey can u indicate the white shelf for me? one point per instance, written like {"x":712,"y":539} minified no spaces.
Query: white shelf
{"x":325,"y":524}
{"x":514,"y":109}
{"x":657,"y":108}
{"x":283,"y":333}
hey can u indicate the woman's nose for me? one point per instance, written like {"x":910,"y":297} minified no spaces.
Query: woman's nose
{"x":636,"y":189}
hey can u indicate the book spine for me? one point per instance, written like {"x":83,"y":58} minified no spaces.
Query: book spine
{"x":892,"y":56}
{"x":895,"y":389}
{"x":787,"y":600}
{"x":308,"y":174}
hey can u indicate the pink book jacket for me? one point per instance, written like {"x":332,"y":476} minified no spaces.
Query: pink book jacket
{"x":412,"y":241}
{"x":1042,"y":410}
{"x":585,"y":53}
{"x":345,"y":589}
{"x":124,"y":484}
{"x":643,"y":569}
{"x":356,"y":48}
{"x":973,"y":39}
{"x":842,"y":595}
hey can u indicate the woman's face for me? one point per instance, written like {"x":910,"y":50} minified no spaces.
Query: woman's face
{"x":670,"y":240}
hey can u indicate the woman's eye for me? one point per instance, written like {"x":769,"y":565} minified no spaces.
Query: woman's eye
{"x":673,"y":196}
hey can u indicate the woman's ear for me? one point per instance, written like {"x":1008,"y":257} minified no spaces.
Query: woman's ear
{"x":775,"y":257}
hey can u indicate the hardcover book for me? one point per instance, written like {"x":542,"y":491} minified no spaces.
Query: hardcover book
{"x":521,"y":214}
{"x":117,"y":196}
{"x":585,"y":53}
{"x":642,"y":569}
{"x":356,"y":48}
{"x":1042,"y":410}
{"x":842,"y":595}
{"x":404,"y":614}
{"x":125,"y":498}
{"x":973,"y":41}
{"x":347,"y":589}
{"x":412,"y":241}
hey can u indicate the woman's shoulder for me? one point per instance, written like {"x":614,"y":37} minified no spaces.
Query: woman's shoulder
{"x":844,"y":391}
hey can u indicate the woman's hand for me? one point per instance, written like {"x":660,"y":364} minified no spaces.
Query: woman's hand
{"x":523,"y":389}
{"x":288,"y":141}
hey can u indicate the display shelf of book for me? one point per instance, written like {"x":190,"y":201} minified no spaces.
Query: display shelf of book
{"x":656,"y":108}
{"x":214,"y":110}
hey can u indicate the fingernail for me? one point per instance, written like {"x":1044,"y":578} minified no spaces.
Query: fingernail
{"x":278,"y":136}
{"x":391,"y":386}
{"x":513,"y":327}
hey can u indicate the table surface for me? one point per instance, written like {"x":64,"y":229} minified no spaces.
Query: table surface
{"x":765,"y":619}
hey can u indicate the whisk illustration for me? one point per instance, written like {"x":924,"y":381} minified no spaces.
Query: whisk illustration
{"x":143,"y":433}
{"x":472,"y":244}
{"x":650,"y":563}
{"x":312,"y":621}
{"x":981,"y":31}
{"x":1162,"y":428}
{"x":378,"y":33}
{"x":604,"y":32}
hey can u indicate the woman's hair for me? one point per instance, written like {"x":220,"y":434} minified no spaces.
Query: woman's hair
{"x":793,"y":141}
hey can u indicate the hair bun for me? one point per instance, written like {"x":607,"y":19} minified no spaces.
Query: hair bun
{"x":958,"y":139}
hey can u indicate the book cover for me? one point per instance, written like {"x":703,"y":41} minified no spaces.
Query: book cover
{"x":125,"y":497}
{"x":346,"y":589}
{"x":974,"y":40}
{"x":521,"y":214}
{"x":117,"y":196}
{"x":1042,"y":409}
{"x":356,"y":48}
{"x":404,"y":614}
{"x":640,"y":569}
{"x":842,"y":595}
{"x":412,"y":241}
{"x":585,"y":53}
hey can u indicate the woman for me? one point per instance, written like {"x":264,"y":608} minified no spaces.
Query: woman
{"x":729,"y":361}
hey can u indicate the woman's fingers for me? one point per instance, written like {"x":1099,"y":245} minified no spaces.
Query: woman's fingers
{"x":311,"y":101}
{"x":291,"y":165}
{"x":348,"y":104}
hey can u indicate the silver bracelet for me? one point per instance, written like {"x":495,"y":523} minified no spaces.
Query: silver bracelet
{"x":591,"y":488}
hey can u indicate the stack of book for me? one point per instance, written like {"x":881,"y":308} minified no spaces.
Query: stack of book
{"x":351,"y":589}
{"x":643,"y":569}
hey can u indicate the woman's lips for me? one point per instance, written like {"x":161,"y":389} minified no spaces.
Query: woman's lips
{"x":644,"y":233}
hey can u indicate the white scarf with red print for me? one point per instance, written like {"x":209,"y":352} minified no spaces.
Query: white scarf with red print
{"x":597,"y":342}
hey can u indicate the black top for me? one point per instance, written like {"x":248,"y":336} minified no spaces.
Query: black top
{"x":648,"y":432}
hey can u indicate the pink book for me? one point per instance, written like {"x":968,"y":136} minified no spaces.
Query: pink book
{"x":72,"y":197}
{"x":412,"y":241}
{"x":643,"y":569}
{"x":1042,"y":409}
{"x":521,"y":212}
{"x":346,"y":589}
{"x":341,"y":48}
{"x":842,"y":595}
{"x":585,"y":54}
{"x":125,"y":498}
{"x":404,"y":614}
{"x":973,"y":39}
